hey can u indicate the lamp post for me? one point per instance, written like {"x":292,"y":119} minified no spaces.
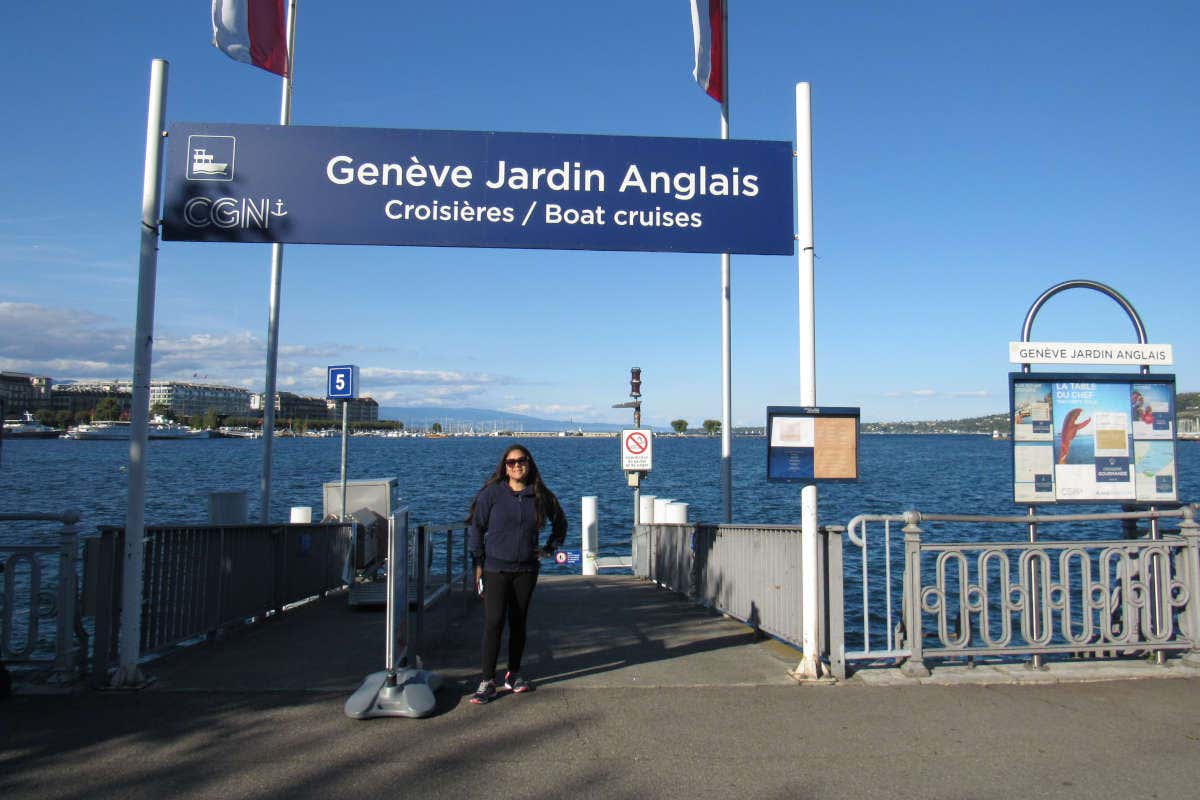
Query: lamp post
{"x":635,"y":391}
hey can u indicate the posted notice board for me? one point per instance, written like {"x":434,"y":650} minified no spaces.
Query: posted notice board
{"x":1093,"y":438}
{"x":811,"y":444}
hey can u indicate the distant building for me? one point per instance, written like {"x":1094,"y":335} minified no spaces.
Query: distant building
{"x":294,"y":406}
{"x":193,"y":399}
{"x":361,"y":409}
{"x":23,"y":392}
{"x":77,"y":397}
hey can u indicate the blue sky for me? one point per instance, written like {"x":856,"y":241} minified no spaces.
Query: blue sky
{"x":967,"y":156}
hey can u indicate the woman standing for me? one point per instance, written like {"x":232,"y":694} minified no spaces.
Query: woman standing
{"x":506,"y":516}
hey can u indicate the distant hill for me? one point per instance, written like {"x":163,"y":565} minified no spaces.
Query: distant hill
{"x":487,"y":420}
{"x":484,"y":420}
{"x":987,"y":424}
{"x":1187,"y":405}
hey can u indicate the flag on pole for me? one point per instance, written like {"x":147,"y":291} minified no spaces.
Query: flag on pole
{"x":253,"y":32}
{"x":708,"y":33}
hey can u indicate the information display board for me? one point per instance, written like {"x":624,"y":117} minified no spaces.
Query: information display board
{"x":1093,"y":438}
{"x":811,"y":444}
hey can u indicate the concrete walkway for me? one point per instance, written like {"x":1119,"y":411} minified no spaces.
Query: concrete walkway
{"x":638,"y":694}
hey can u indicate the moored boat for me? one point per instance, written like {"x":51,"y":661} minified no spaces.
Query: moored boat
{"x":27,"y":427}
{"x":238,"y":432}
{"x":113,"y":429}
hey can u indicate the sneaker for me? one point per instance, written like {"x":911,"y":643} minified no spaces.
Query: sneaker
{"x":485,"y":693}
{"x":515,"y":683}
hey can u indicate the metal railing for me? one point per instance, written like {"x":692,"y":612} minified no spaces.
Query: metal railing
{"x":434,"y":587}
{"x":39,"y":586}
{"x":199,"y":579}
{"x":964,"y":599}
{"x":750,"y":572}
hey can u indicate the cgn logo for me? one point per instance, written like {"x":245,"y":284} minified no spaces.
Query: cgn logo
{"x":211,"y":158}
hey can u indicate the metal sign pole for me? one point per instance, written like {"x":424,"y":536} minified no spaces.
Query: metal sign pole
{"x":268,"y":427}
{"x":810,"y":664}
{"x":726,"y":309}
{"x":634,"y":478}
{"x":128,"y":674}
{"x":345,"y":424}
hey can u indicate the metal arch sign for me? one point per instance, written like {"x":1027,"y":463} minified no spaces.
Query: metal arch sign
{"x":228,"y":182}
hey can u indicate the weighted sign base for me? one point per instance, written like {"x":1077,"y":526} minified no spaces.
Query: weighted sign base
{"x":411,"y":695}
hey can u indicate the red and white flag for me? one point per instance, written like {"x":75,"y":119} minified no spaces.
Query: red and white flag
{"x":252,"y":31}
{"x":708,"y":32}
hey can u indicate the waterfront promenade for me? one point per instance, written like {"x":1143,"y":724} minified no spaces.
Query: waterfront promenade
{"x":638,"y":695}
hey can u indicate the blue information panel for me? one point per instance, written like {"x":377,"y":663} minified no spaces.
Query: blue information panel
{"x":812,"y":444}
{"x":227,"y":182}
{"x":342,"y":383}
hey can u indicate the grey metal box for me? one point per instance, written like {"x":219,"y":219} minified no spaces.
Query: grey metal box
{"x":373,"y":494}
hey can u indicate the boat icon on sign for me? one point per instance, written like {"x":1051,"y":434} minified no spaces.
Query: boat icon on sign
{"x":210,"y":158}
{"x":203,"y":164}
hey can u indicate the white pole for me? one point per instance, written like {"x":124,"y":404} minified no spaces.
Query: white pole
{"x":810,"y":664}
{"x":590,"y":534}
{"x":726,"y":309}
{"x":345,"y":426}
{"x":285,"y":118}
{"x":128,"y":673}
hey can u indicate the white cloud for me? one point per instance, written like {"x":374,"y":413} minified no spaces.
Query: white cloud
{"x":69,"y":344}
{"x":448,"y":396}
{"x":417,"y":377}
{"x":31,"y":333}
{"x":552,"y":410}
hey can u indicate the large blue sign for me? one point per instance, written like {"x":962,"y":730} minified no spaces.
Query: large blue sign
{"x":321,"y":185}
{"x":342,"y":382}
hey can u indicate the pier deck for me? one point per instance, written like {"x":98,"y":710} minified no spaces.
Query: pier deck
{"x":638,"y":694}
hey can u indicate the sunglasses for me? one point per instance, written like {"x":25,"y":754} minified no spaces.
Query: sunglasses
{"x":516,"y":462}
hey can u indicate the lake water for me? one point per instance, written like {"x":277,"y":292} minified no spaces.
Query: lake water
{"x":438,"y":477}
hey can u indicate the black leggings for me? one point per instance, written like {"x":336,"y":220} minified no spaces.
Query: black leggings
{"x":505,"y":593}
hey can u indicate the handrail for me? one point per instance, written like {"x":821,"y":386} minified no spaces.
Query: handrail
{"x":1155,"y":580}
{"x":917,"y":517}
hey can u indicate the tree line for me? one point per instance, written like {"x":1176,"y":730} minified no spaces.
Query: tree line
{"x":712,"y":427}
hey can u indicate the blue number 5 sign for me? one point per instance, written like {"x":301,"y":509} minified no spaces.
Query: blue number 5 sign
{"x":343,"y":383}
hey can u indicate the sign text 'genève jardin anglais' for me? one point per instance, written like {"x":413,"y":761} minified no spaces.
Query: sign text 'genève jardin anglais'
{"x":326,"y":185}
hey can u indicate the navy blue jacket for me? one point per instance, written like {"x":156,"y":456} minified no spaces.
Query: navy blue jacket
{"x":502,"y":533}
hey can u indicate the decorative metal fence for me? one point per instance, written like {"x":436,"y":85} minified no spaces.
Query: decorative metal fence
{"x":39,"y":620}
{"x":967,"y":596}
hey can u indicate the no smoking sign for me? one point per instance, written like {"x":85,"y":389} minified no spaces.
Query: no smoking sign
{"x":636,"y":450}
